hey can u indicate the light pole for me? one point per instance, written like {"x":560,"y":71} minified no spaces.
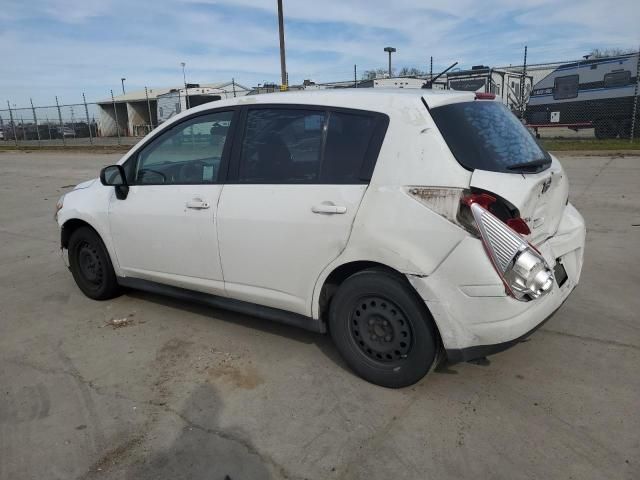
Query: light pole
{"x":184,"y":79}
{"x":389,"y":50}
{"x":122,"y":80}
{"x":283,"y":63}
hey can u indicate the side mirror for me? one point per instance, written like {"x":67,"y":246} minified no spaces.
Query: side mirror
{"x":114,"y":176}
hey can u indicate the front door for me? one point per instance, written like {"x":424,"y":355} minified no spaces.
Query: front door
{"x":165,"y":230}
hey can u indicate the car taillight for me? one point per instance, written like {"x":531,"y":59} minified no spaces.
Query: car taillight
{"x":485,"y":96}
{"x":525,"y":273}
{"x":523,"y":270}
{"x":453,"y":204}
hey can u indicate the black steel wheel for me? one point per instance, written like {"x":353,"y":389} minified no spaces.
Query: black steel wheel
{"x":382,"y":328}
{"x":91,"y":266}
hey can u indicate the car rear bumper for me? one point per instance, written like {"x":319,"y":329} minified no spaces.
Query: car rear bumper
{"x":474,"y":315}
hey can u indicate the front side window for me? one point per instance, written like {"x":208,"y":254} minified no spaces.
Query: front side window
{"x":566,"y":87}
{"x":617,"y":79}
{"x":188,"y":153}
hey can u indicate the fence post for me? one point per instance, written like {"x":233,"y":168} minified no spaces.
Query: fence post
{"x":86,"y":112}
{"x":13,"y":125}
{"x":146,"y":94}
{"x":115,"y":112}
{"x":634,"y":114}
{"x":35,"y":120}
{"x":60,"y":119}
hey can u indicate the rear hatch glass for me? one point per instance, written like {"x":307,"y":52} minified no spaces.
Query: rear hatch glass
{"x":485,"y":135}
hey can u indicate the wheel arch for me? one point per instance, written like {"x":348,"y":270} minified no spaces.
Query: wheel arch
{"x":72,"y":224}
{"x":341,"y":272}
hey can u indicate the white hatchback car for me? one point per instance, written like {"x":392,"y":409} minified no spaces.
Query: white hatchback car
{"x":409,"y":225}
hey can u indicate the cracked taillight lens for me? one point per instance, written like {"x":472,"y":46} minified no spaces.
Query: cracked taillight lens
{"x":523,"y":270}
{"x":525,"y":273}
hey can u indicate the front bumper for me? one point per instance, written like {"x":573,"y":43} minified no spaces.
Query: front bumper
{"x":474,"y":315}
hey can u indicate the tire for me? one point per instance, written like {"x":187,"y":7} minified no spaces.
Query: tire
{"x":382,"y":329}
{"x":91,"y":266}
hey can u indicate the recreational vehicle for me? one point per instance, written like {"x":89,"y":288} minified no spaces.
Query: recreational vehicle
{"x":505,"y":84}
{"x":595,"y":93}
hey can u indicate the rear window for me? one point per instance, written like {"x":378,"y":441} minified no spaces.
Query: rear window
{"x":485,"y":135}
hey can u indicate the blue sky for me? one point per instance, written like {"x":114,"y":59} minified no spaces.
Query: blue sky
{"x":66,"y":47}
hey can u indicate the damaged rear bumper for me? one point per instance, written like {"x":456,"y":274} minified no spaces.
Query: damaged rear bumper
{"x":474,"y":315}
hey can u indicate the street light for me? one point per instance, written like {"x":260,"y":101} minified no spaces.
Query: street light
{"x":184,"y":79}
{"x":389,"y":50}
{"x":122,"y":80}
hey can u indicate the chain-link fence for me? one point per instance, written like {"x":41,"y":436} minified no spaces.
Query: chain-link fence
{"x":590,"y":98}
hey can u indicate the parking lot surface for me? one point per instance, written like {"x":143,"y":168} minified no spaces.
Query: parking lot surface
{"x":183,"y":391}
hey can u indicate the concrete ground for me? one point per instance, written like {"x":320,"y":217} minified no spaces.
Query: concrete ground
{"x":185,"y":391}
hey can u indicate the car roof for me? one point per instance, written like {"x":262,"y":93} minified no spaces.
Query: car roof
{"x":375,"y":99}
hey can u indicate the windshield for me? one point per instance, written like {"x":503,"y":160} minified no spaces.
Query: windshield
{"x":485,"y":135}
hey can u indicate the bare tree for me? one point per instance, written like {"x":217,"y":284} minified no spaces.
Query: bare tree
{"x":610,"y":52}
{"x":377,"y":73}
{"x":411,"y":72}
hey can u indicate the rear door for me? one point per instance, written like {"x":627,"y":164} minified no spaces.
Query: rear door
{"x":297,"y":177}
{"x":486,"y":138}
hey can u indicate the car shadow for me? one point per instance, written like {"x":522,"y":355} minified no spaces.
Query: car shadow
{"x":202,"y":449}
{"x":321,"y":341}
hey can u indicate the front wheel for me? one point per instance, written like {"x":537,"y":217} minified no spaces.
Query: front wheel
{"x":91,"y":266}
{"x":382,"y":329}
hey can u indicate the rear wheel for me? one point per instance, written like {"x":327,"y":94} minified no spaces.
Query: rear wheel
{"x":91,"y":266}
{"x":382,"y":329}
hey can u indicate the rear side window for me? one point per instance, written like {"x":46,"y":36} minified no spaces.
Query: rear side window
{"x":282,"y":146}
{"x":617,"y":79}
{"x":294,"y":145}
{"x":566,"y":87}
{"x":485,"y":135}
{"x":348,"y":139}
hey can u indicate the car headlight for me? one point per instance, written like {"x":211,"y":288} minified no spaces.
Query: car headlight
{"x":59,"y":205}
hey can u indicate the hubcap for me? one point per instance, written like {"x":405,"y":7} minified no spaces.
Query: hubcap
{"x":90,"y":263}
{"x":380,"y":329}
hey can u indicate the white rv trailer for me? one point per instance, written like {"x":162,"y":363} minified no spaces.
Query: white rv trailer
{"x":595,"y":93}
{"x":505,"y":83}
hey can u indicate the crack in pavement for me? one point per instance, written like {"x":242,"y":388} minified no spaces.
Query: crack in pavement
{"x":591,"y":339}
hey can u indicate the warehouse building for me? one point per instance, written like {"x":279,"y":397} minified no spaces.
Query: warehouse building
{"x":137,"y":113}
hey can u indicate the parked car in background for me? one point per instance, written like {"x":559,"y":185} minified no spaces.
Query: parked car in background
{"x":409,"y":225}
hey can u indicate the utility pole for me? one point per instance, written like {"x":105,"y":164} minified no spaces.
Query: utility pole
{"x":186,"y":91}
{"x":283,"y":63}
{"x":389,"y":50}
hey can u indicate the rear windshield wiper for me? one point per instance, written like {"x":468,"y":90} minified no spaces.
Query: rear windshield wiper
{"x":532,"y":165}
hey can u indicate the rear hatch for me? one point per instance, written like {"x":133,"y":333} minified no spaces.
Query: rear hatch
{"x":506,"y":160}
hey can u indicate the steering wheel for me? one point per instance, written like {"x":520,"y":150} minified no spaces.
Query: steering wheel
{"x":145,"y":171}
{"x":191,"y":172}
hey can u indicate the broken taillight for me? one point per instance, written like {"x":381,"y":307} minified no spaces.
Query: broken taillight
{"x":525,"y":273}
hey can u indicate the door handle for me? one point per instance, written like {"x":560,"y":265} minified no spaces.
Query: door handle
{"x":329,"y":208}
{"x":198,"y":204}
